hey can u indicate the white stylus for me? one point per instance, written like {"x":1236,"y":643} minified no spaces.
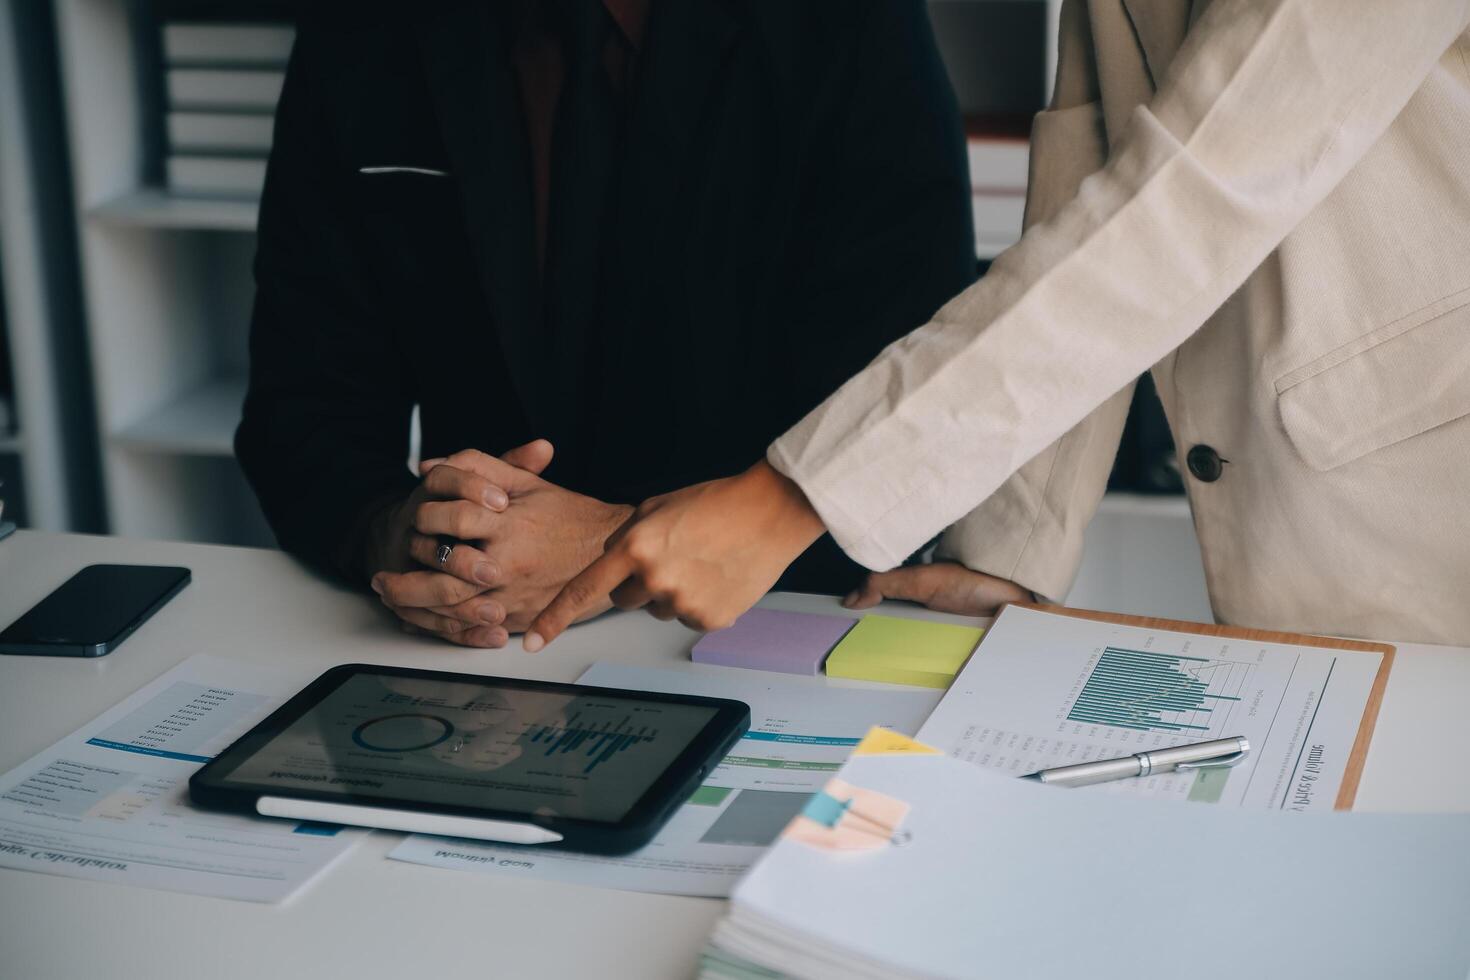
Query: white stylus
{"x":410,"y":821}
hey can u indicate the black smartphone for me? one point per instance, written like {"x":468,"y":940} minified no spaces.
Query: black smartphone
{"x":92,"y":612}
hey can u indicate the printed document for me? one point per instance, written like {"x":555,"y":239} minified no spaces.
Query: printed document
{"x":996,"y":877}
{"x":110,"y":802}
{"x":800,"y":734}
{"x":1046,"y":690}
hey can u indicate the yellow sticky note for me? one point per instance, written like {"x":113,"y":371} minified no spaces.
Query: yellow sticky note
{"x":903,"y":651}
{"x":883,"y":741}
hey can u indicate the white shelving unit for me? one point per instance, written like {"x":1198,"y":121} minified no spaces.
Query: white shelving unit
{"x":154,"y":207}
{"x":200,"y":423}
{"x":52,"y":449}
{"x":167,"y":288}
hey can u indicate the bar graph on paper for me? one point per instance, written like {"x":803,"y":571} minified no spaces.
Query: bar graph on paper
{"x":1046,"y":690}
{"x":1171,"y":694}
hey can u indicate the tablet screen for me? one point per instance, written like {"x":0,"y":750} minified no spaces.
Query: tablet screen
{"x":583,"y":756}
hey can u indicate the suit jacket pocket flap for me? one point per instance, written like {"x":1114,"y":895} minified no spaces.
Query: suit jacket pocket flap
{"x":1396,"y":382}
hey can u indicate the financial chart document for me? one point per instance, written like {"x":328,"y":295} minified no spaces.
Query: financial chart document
{"x":110,"y":802}
{"x":1046,"y":690}
{"x":800,"y":735}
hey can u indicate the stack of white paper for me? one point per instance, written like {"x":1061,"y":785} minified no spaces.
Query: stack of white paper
{"x":223,"y":82}
{"x":998,"y":877}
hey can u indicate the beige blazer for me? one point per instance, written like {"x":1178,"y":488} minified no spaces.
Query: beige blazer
{"x":1267,"y":202}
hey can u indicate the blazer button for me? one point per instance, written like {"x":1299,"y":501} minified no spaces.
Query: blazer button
{"x":1204,"y":463}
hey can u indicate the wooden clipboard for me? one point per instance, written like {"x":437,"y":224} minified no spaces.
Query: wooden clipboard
{"x":1354,"y":769}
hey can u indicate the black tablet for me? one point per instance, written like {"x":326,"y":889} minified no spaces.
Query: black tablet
{"x":586,"y":768}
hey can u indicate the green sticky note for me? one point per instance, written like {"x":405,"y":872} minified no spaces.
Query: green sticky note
{"x":903,"y":651}
{"x":710,"y":795}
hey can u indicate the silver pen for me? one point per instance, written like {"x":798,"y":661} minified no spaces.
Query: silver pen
{"x":1220,"y":753}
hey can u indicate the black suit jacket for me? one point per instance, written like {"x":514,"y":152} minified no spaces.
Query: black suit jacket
{"x":794,"y":195}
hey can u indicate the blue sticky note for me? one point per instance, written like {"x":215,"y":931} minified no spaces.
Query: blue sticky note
{"x":825,"y":809}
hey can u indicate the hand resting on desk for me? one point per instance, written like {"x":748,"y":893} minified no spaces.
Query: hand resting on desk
{"x":944,"y":586}
{"x":507,"y":561}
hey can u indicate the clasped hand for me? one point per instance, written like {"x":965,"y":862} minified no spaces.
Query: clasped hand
{"x":515,"y":540}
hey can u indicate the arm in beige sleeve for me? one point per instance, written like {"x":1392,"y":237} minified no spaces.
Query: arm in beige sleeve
{"x":1266,"y":107}
{"x":1030,"y":530}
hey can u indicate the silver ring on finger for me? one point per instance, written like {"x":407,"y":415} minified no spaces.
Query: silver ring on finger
{"x":443,"y":553}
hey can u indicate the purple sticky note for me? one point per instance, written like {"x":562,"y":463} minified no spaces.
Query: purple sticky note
{"x":770,"y":639}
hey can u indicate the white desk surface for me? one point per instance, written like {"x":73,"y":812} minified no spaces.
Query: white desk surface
{"x":371,"y":917}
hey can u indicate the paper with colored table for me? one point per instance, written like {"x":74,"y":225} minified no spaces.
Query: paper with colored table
{"x":801,"y":733}
{"x":110,"y":801}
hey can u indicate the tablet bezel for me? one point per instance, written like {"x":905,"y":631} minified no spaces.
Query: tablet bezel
{"x":211,"y":786}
